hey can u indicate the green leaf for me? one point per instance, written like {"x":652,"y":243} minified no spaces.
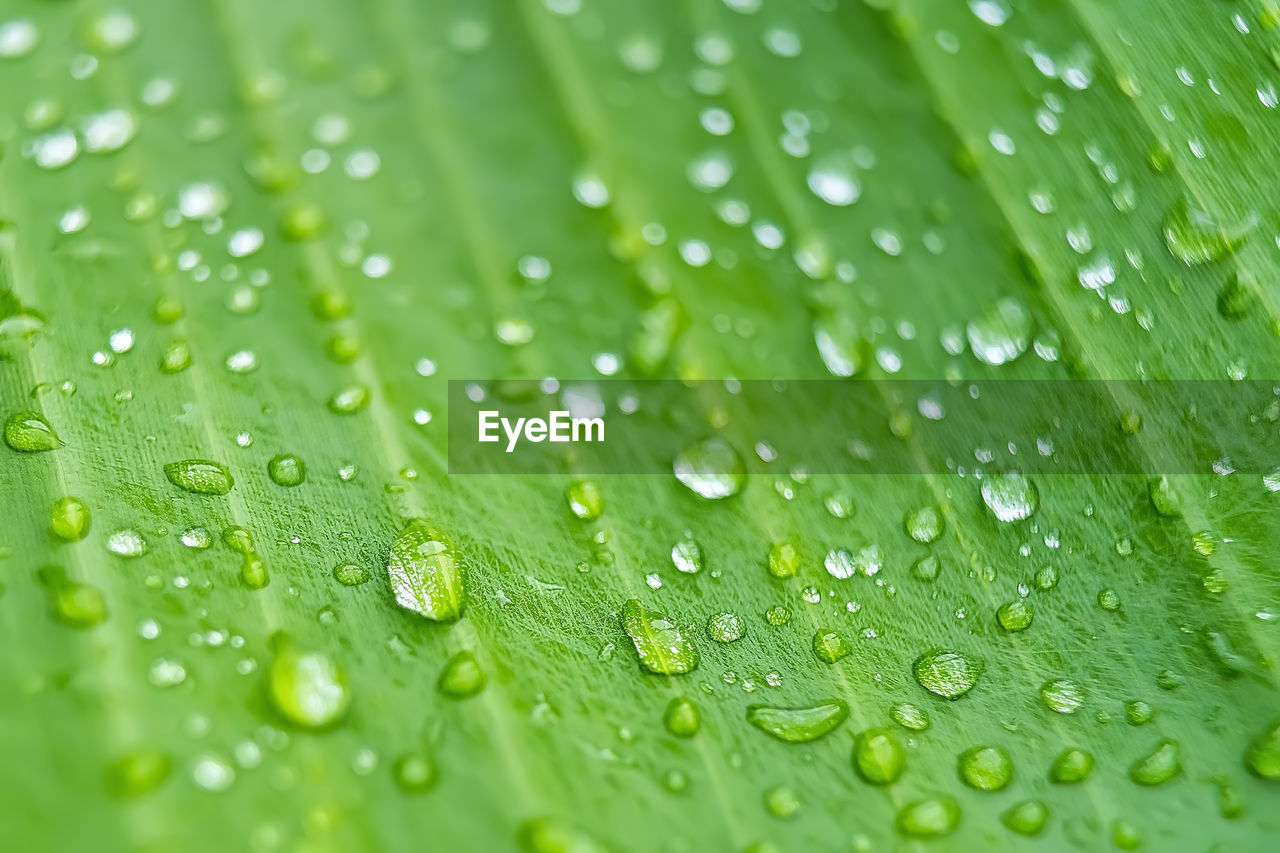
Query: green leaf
{"x":269,"y":234}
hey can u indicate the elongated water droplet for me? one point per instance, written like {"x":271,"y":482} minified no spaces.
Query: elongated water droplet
{"x":878,"y":757}
{"x":350,"y":574}
{"x":554,"y":835}
{"x":843,"y":348}
{"x":682,"y":718}
{"x":29,"y":432}
{"x":137,"y":773}
{"x":935,"y":817}
{"x":946,"y":673}
{"x":1010,"y":496}
{"x":306,"y":687}
{"x":711,"y":469}
{"x":1158,"y":766}
{"x":798,"y":725}
{"x":1194,"y":236}
{"x":910,"y":716}
{"x":69,"y":519}
{"x":660,"y":644}
{"x":1263,"y":755}
{"x":200,"y":476}
{"x":986,"y":768}
{"x":462,"y":676}
{"x":253,"y":571}
{"x":425,"y":575}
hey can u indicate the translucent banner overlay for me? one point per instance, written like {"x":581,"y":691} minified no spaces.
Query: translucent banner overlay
{"x":865,"y":426}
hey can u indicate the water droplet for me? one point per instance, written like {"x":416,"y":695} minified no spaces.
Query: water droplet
{"x":682,"y":718}
{"x":1071,"y":766}
{"x":1195,"y":236}
{"x":910,"y":716}
{"x":1010,"y":496}
{"x":585,"y":500}
{"x":946,"y":673}
{"x":1158,"y":766}
{"x":29,"y":432}
{"x":829,"y":646}
{"x":74,"y":604}
{"x":686,"y":556}
{"x":306,"y":687}
{"x":425,"y":575}
{"x":878,"y":757}
{"x":841,"y":345}
{"x":1062,"y":695}
{"x":1026,"y":818}
{"x":935,"y":817}
{"x":56,"y":150}
{"x":350,"y":574}
{"x":200,"y":476}
{"x":69,"y":519}
{"x":925,"y":525}
{"x":1263,"y":755}
{"x":781,"y":802}
{"x":986,"y":768}
{"x":287,"y":470}
{"x":553,"y":835}
{"x":1164,"y":498}
{"x":784,"y":560}
{"x":109,"y":131}
{"x":18,"y":38}
{"x":834,"y":181}
{"x":1001,"y":333}
{"x":127,"y":543}
{"x":711,"y":469}
{"x":660,"y":644}
{"x":462,"y":676}
{"x":349,"y":400}
{"x":414,"y":773}
{"x":798,"y":725}
{"x":213,"y":774}
{"x":203,"y":200}
{"x":1137,"y":712}
{"x":725,"y":627}
{"x":1015,"y":615}
{"x":137,"y":773}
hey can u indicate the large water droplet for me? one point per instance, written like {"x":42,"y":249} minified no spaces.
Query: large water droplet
{"x":29,"y":432}
{"x":69,"y":519}
{"x":1158,"y":766}
{"x":1001,"y":333}
{"x":660,"y":644}
{"x":986,"y":768}
{"x":878,"y":757}
{"x":935,"y":817}
{"x":462,"y":676}
{"x":682,"y":718}
{"x":798,"y":725}
{"x":1195,"y":236}
{"x":200,"y":476}
{"x":711,"y":469}
{"x":425,"y":575}
{"x":306,"y":687}
{"x":1026,"y":818}
{"x":1010,"y":496}
{"x":1071,"y":766}
{"x":946,"y":673}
